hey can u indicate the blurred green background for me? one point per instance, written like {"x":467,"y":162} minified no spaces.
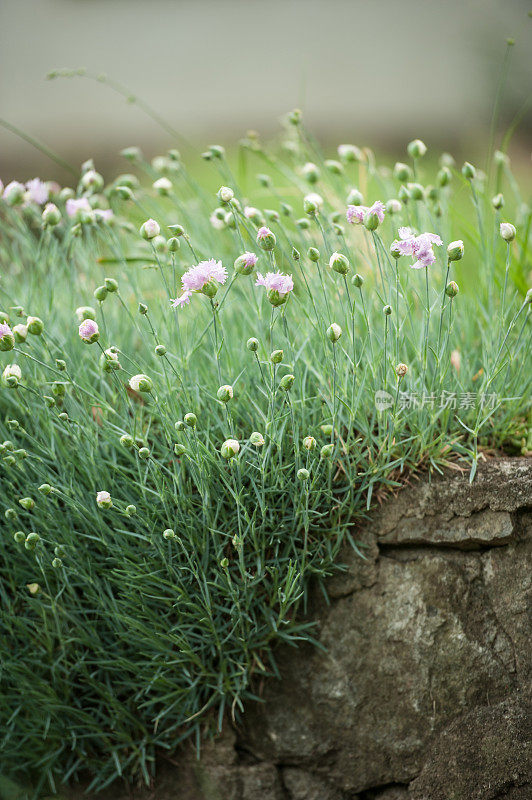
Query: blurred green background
{"x":377,"y":73}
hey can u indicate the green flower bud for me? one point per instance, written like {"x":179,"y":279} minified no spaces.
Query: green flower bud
{"x":286,"y":382}
{"x":303,"y":224}
{"x":19,"y":537}
{"x":309,"y":443}
{"x":310,"y":172}
{"x":127,"y":441}
{"x":327,"y":429}
{"x":355,"y":198}
{"x":51,"y":215}
{"x":339,"y":263}
{"x":35,"y":326}
{"x":357,"y":280}
{"x":45,"y":489}
{"x":32,"y":539}
{"x":100,"y":293}
{"x":224,"y":563}
{"x":416,"y":148}
{"x":252,"y":344}
{"x":303,"y":474}
{"x":168,"y":534}
{"x":173,"y":244}
{"x":334,"y":167}
{"x":177,"y":230}
{"x":10,"y":514}
{"x":507,"y":231}
{"x":191,"y":420}
{"x":468,"y":171}
{"x":179,"y":449}
{"x":349,"y":153}
{"x":286,"y":210}
{"x":141,"y":383}
{"x":225,"y":393}
{"x":124,"y":192}
{"x":150,"y":229}
{"x":334,"y":332}
{"x":393,"y":206}
{"x":60,"y":364}
{"x":416,"y":191}
{"x":266,"y":239}
{"x":144,"y":453}
{"x":160,"y":350}
{"x":57,"y":563}
{"x":50,"y":401}
{"x":256,"y":439}
{"x":455,"y":250}
{"x":85,"y":312}
{"x":387,"y":310}
{"x":143,"y":309}
{"x":326,"y":451}
{"x":276,"y":356}
{"x":180,"y":425}
{"x":497,"y":201}
{"x":63,"y":416}
{"x":451,"y":290}
{"x":229,"y":448}
{"x":444,"y":176}
{"x":402,"y":172}
{"x":111,"y":285}
{"x":314,"y":254}
{"x":403,"y":194}
{"x":131,"y":510}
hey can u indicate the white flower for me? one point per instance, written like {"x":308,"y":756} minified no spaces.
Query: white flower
{"x":103,"y":499}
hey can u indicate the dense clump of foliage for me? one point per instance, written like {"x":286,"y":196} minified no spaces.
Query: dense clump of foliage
{"x":243,"y":380}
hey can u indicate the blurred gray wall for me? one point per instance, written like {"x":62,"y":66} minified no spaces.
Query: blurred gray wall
{"x":379,"y":71}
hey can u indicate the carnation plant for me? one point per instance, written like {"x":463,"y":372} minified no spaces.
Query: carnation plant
{"x":206,"y":384}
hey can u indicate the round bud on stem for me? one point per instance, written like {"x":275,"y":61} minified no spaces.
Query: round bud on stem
{"x":100,"y":293}
{"x":339,"y":263}
{"x":451,"y":290}
{"x":179,"y":449}
{"x":507,"y":231}
{"x":144,"y":453}
{"x":127,"y":441}
{"x":168,"y":534}
{"x":225,"y":393}
{"x":141,"y":383}
{"x":357,"y":280}
{"x":256,"y":439}
{"x":416,"y":148}
{"x":150,"y":229}
{"x":334,"y":332}
{"x":468,"y":171}
{"x":303,"y":474}
{"x":35,"y":326}
{"x":276,"y":356}
{"x":455,"y":250}
{"x":401,"y":370}
{"x":309,"y":443}
{"x":286,"y":382}
{"x":88,"y":331}
{"x":310,"y":172}
{"x":266,"y":238}
{"x":51,"y":215}
{"x":229,"y":448}
{"x":402,"y":172}
{"x":252,"y":344}
{"x":444,"y":177}
{"x":497,"y":201}
{"x":103,"y":500}
{"x":326,"y":451}
{"x":191,"y":420}
{"x":387,"y":310}
{"x":111,"y":285}
{"x":45,"y":489}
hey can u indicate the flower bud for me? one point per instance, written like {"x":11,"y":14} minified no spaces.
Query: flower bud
{"x":393,"y":206}
{"x":303,"y":224}
{"x":507,"y":231}
{"x":163,"y":186}
{"x":309,"y":443}
{"x":11,"y":376}
{"x":252,"y":344}
{"x":276,"y":356}
{"x":179,"y":449}
{"x":296,"y":255}
{"x":416,"y":191}
{"x":326,"y":451}
{"x":245,"y":263}
{"x":173,"y":244}
{"x":349,"y":153}
{"x":357,"y":280}
{"x":310,"y":172}
{"x":314,"y":254}
{"x":168,"y":534}
{"x":63,"y":416}
{"x":371,"y":221}
{"x":57,"y":563}
{"x":10,"y":514}
{"x":401,"y":172}
{"x":100,"y":293}
{"x":334,"y":332}
{"x":387,"y":310}
{"x":32,"y":540}
{"x":51,"y":215}
{"x":266,"y":239}
{"x":144,"y":453}
{"x":401,"y":370}
{"x":160,"y":350}
{"x":355,"y":198}
{"x":191,"y":420}
{"x":141,"y":383}
{"x":124,"y":192}
{"x":225,"y":393}
{"x":177,"y":230}
{"x":85,"y":312}
{"x":403,"y":194}
{"x":89,"y":332}
{"x":468,"y":171}
{"x":303,"y":474}
{"x":143,"y":309}
{"x":286,"y":382}
{"x":225,"y":194}
{"x":150,"y":229}
{"x":528,"y":296}
{"x":19,"y":537}
{"x":111,"y":285}
{"x":224,"y":563}
{"x":451,"y":290}
{"x":229,"y":448}
{"x":103,"y":500}
{"x":339,"y":263}
{"x":327,"y":429}
{"x":27,"y":503}
{"x":256,"y":439}
{"x":334,"y":167}
{"x":35,"y":326}
{"x":444,"y":177}
{"x":127,"y":441}
{"x":45,"y":489}
{"x":455,"y":250}
{"x":180,"y":426}
{"x":416,"y":148}
{"x":498,"y":201}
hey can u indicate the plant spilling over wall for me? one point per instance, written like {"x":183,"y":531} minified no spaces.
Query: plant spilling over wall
{"x":201,"y":391}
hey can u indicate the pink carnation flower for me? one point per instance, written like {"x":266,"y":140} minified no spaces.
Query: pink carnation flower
{"x":5,"y":330}
{"x":356,"y":214}
{"x":249,"y":259}
{"x":75,"y":204}
{"x":419,"y":247}
{"x":37,"y":191}
{"x":263,"y":232}
{"x":196,"y":278}
{"x":277,"y":281}
{"x":88,"y":329}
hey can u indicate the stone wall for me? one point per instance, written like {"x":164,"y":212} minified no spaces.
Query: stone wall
{"x":421,"y":690}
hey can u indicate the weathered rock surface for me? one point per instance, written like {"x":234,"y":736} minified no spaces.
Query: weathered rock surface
{"x":423,"y":689}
